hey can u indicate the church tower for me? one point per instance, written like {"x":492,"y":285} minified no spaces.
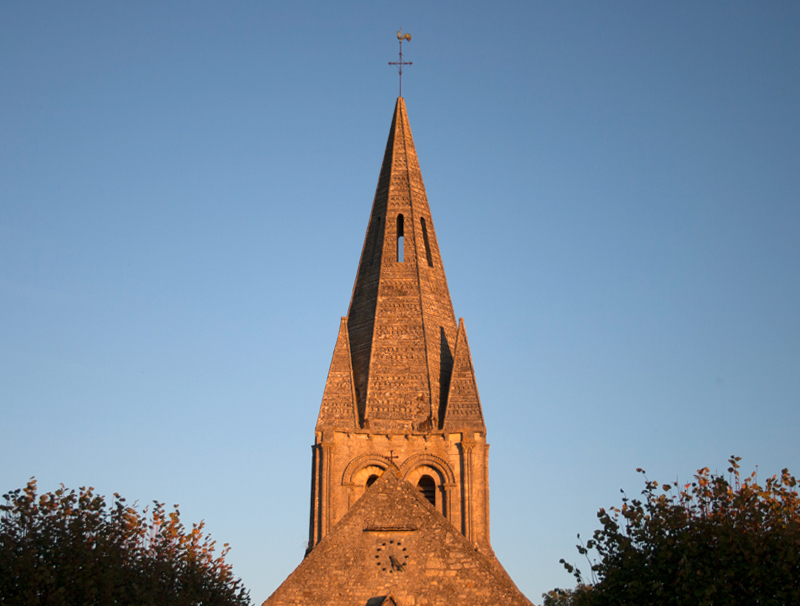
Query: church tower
{"x":400,"y":484}
{"x":401,"y":390}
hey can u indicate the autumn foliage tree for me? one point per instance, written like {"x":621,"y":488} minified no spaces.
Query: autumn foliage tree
{"x":68,"y":548}
{"x":715,"y":541}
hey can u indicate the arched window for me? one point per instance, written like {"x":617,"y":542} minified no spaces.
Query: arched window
{"x":427,"y":486}
{"x":400,"y":239}
{"x":371,"y":480}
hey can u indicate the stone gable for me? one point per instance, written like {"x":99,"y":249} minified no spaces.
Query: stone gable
{"x":394,"y":547}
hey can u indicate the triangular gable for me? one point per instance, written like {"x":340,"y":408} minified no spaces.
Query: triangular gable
{"x":463,"y":403}
{"x":338,"y":409}
{"x":394,"y":544}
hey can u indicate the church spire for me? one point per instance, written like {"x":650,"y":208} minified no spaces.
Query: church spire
{"x":401,"y":392}
{"x":401,"y":327}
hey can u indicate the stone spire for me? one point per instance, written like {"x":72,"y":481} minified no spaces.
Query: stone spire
{"x":401,"y":392}
{"x":401,"y":329}
{"x":400,"y":462}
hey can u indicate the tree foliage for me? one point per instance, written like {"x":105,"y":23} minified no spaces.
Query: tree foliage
{"x":714,"y":541}
{"x":68,"y":548}
{"x":567,"y":597}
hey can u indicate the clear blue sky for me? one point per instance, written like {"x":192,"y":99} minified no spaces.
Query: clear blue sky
{"x":184,"y":190}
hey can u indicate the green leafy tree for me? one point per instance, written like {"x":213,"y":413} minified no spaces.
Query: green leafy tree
{"x":68,"y":548}
{"x":714,"y":541}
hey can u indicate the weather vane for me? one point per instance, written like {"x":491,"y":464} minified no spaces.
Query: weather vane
{"x":400,"y":63}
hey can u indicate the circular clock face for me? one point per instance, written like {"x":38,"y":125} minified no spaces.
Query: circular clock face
{"x":391,"y":556}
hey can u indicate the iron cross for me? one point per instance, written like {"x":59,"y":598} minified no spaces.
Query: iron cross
{"x":400,"y":63}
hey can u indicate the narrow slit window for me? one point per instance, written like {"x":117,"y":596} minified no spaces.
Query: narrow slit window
{"x":427,"y":243}
{"x":400,"y":239}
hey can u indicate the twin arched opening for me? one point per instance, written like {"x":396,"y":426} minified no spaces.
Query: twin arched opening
{"x":431,"y":476}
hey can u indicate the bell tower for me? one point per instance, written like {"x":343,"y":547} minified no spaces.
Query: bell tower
{"x":401,"y":391}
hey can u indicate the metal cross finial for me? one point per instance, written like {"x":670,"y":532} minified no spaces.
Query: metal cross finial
{"x":400,"y":63}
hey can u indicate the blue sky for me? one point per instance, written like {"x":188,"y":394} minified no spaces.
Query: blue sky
{"x":184,"y":191}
